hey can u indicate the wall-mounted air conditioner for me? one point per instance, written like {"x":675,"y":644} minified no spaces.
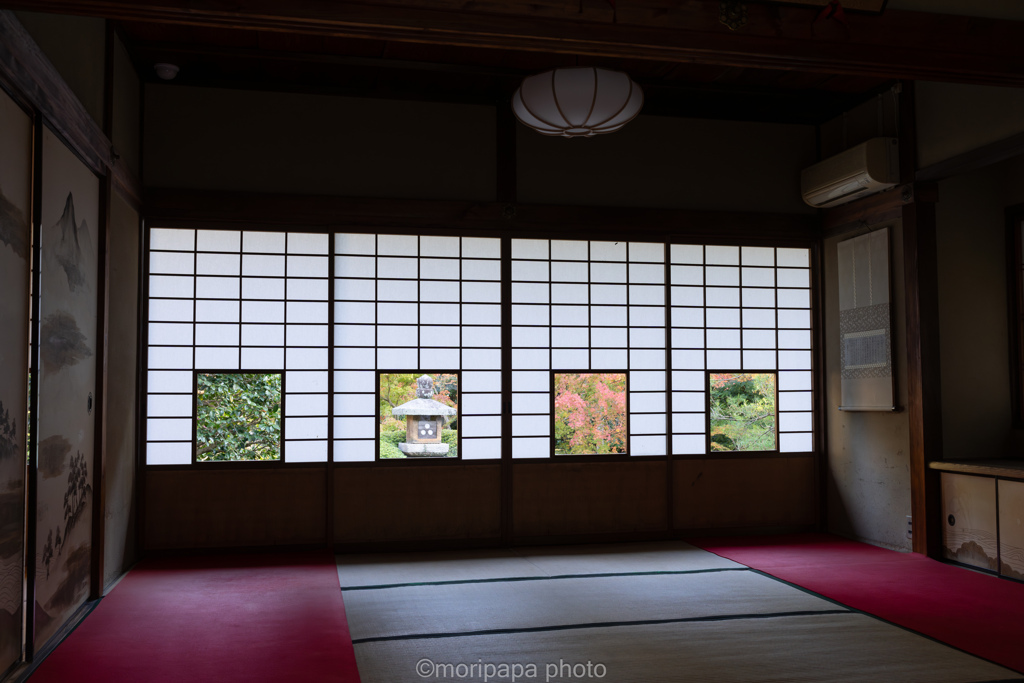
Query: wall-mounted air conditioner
{"x":868,"y":168}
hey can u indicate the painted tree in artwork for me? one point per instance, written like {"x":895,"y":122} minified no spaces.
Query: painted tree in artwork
{"x":8,"y":433}
{"x":48,"y":552}
{"x":590,"y":413}
{"x":742,"y":411}
{"x":78,"y":489}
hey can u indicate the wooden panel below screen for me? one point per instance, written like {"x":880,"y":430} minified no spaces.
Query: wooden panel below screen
{"x":556,"y":499}
{"x":745,"y":492}
{"x":408,"y":503}
{"x":227,"y":508}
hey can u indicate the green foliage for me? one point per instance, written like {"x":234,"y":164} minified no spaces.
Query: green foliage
{"x":451,"y":437}
{"x":743,"y":412}
{"x":389,"y":441}
{"x":590,"y":413}
{"x":238,"y":417}
{"x":399,"y":388}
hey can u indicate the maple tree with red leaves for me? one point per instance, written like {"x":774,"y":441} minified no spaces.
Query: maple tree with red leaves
{"x":590,"y":413}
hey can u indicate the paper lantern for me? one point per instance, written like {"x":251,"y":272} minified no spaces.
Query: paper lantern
{"x":577,"y":101}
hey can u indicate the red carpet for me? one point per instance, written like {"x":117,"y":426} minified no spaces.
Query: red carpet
{"x":981,"y":614}
{"x":244,"y":618}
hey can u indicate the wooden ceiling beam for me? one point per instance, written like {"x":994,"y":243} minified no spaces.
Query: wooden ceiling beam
{"x":479,"y":84}
{"x":904,"y":45}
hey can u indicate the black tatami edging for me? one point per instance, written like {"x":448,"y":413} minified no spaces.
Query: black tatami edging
{"x":509,"y":579}
{"x":601,"y":624}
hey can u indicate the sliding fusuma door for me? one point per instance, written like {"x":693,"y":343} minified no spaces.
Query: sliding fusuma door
{"x":15,"y":258}
{"x":67,"y":377}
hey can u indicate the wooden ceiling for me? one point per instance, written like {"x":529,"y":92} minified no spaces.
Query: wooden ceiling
{"x":785,"y":64}
{"x":221,"y":57}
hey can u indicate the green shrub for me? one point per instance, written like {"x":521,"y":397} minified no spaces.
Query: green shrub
{"x":451,"y":437}
{"x":389,"y":441}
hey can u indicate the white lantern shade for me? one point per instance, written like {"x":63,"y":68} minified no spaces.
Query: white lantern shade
{"x":577,"y":101}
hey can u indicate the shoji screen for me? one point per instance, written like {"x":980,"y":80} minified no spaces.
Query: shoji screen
{"x":237,"y":301}
{"x":587,"y":305}
{"x":737,"y":309}
{"x":416,"y":303}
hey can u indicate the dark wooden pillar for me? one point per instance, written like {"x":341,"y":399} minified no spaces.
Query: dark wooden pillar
{"x":924,"y":397}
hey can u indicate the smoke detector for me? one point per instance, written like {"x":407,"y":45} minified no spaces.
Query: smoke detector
{"x":166,"y":71}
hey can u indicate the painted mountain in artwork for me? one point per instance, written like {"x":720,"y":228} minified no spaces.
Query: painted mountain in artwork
{"x":13,"y":227}
{"x":61,"y":342}
{"x":52,"y":452}
{"x":70,"y":246}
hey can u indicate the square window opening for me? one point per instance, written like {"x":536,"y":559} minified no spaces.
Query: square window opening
{"x":591,"y":413}
{"x":418,"y":414}
{"x":238,"y":416}
{"x":742,"y":411}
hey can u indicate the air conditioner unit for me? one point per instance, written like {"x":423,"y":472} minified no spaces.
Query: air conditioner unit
{"x":868,"y":168}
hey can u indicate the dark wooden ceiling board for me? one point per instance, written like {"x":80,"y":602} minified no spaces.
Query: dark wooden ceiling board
{"x":909,"y":45}
{"x":454,"y":54}
{"x":730,"y":75}
{"x":874,"y":6}
{"x":853,"y":84}
{"x":800,"y":80}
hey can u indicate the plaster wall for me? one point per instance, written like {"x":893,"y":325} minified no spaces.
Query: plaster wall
{"x":953,"y":118}
{"x":211,"y":139}
{"x":119,"y":551}
{"x":868,"y":480}
{"x":664,"y":162}
{"x":126,"y":116}
{"x":973,"y":322}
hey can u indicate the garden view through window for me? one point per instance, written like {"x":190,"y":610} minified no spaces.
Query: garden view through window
{"x":742,"y":411}
{"x":419,"y":415}
{"x":238,"y":416}
{"x":590,"y":413}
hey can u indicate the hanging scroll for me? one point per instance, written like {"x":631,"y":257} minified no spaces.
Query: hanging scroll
{"x":865,"y":323}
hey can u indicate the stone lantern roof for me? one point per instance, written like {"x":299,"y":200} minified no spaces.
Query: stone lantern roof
{"x":423,"y":405}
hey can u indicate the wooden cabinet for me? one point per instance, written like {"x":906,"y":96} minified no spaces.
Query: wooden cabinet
{"x":983,"y":514}
{"x":970,"y":523}
{"x":1011,"y":528}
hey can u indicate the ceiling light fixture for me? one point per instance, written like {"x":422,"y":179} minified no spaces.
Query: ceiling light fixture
{"x":578,"y":101}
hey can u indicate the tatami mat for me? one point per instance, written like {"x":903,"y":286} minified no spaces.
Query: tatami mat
{"x":399,"y":568}
{"x":624,"y":558}
{"x":469,"y":607}
{"x":839,"y":648}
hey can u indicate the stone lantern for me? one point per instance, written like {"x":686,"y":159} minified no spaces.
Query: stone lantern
{"x":424,"y":419}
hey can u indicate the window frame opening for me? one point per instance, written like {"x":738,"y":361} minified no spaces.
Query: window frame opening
{"x":433,"y":374}
{"x":590,"y":402}
{"x":710,"y":440}
{"x":196,"y":406}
